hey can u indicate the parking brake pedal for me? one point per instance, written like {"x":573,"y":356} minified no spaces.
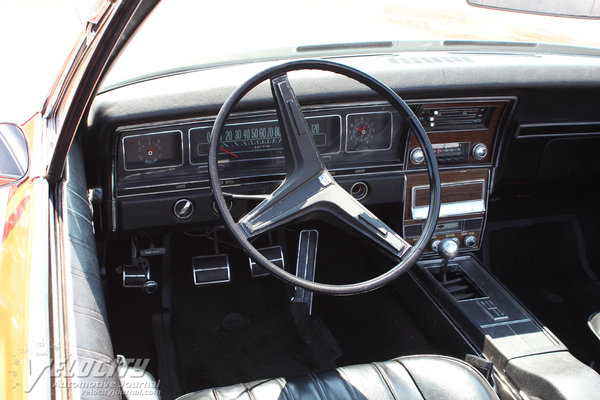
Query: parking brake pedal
{"x":211,"y":269}
{"x":305,"y":265}
{"x":273,"y":254}
{"x":137,"y":274}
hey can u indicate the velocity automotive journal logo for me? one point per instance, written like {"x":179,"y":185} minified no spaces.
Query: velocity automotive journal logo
{"x":111,"y":378}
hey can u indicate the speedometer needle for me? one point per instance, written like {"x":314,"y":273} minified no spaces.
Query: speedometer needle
{"x":228,"y":152}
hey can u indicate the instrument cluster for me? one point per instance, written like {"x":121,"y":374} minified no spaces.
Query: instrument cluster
{"x":252,"y":145}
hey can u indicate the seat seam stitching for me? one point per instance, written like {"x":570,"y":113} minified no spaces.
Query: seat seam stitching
{"x":96,"y":360}
{"x":247,"y":389}
{"x":411,"y":378}
{"x":319,"y":386}
{"x":71,"y":190}
{"x":283,"y":387}
{"x":349,"y":387}
{"x":88,"y":309}
{"x":214,"y":392}
{"x":385,"y":379}
{"x":94,"y":352}
{"x":89,"y":316}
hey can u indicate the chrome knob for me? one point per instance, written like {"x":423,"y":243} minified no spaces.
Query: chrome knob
{"x":480,"y":150}
{"x":470,"y":241}
{"x":183,"y":208}
{"x":435,"y":244}
{"x":448,"y":249}
{"x":417,"y":156}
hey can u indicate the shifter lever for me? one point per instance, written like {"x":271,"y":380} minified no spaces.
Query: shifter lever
{"x":447,"y":249}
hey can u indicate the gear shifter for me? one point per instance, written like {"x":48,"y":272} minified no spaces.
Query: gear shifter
{"x":447,"y":249}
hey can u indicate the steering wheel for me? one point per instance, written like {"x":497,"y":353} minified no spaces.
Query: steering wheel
{"x":309,"y":187}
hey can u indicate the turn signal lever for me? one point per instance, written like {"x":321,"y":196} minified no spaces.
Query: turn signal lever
{"x":448,"y":250}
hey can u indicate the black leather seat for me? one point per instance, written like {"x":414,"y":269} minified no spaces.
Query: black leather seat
{"x":413,"y":377}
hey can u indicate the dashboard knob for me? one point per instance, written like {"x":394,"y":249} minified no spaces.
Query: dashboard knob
{"x":417,"y":156}
{"x":480,"y":150}
{"x":471,"y":241}
{"x":183,"y":208}
{"x":435,"y":245}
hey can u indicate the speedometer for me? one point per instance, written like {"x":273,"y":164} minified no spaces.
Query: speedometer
{"x":262,"y":139}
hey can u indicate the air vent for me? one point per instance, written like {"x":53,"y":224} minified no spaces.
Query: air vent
{"x":456,"y":118}
{"x":431,"y":60}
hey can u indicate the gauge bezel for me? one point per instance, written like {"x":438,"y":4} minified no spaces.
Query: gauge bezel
{"x":391,"y":131}
{"x":151,"y":134}
{"x":210,"y":124}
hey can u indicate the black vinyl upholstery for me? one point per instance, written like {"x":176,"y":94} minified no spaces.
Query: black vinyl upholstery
{"x":413,"y":377}
{"x":94,"y":347}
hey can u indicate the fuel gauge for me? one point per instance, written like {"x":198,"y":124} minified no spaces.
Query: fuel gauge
{"x":149,"y":150}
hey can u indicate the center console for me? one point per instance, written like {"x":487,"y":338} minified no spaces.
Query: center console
{"x":464,"y":136}
{"x":467,"y":306}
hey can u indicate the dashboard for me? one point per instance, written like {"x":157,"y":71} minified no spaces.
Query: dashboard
{"x":488,"y":125}
{"x":367,"y":147}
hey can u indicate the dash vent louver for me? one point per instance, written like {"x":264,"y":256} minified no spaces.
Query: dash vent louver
{"x":456,"y":118}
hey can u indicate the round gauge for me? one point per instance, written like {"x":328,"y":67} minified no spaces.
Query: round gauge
{"x":362,"y":130}
{"x":149,"y":150}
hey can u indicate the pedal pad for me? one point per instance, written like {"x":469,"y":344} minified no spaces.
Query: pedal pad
{"x":211,"y":269}
{"x":273,"y":254}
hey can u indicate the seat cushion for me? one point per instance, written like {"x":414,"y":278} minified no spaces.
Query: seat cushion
{"x":413,"y":377}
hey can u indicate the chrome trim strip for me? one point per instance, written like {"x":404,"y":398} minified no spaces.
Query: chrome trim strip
{"x":391,"y":172}
{"x":450,"y":209}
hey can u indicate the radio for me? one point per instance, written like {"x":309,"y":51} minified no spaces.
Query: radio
{"x":450,"y":153}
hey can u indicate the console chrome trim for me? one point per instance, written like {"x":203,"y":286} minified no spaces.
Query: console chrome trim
{"x":457,"y":208}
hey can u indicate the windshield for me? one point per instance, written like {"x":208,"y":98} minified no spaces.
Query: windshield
{"x":183,"y":34}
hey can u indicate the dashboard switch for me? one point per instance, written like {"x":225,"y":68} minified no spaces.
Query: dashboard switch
{"x":417,"y":156}
{"x":480,"y":150}
{"x":359,"y":190}
{"x":183,"y":209}
{"x":471,"y":241}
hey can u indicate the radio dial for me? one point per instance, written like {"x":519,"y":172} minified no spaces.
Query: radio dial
{"x":417,"y":156}
{"x":471,"y":241}
{"x":480,"y":151}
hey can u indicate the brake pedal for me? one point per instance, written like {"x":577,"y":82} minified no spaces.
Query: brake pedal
{"x":210,"y":270}
{"x":273,"y":254}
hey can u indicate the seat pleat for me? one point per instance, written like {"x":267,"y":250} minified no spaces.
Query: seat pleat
{"x":399,"y":381}
{"x":367,"y":382}
{"x":406,"y":378}
{"x":442,"y":378}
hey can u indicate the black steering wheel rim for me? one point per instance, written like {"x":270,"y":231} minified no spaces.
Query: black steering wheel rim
{"x":409,"y":258}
